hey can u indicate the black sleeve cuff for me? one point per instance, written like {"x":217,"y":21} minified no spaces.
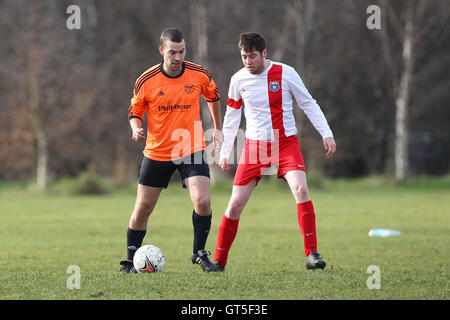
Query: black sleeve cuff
{"x":131,"y":117}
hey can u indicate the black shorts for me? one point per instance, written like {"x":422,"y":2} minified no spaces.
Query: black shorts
{"x":157,"y":174}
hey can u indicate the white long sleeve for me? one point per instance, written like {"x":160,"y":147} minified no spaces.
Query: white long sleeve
{"x":309,"y":105}
{"x":231,"y":124}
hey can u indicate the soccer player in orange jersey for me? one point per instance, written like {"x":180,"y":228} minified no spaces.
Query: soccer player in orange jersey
{"x":169,"y":93}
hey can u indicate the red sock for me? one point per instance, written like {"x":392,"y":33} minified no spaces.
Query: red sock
{"x":307,"y":223}
{"x":227,"y":232}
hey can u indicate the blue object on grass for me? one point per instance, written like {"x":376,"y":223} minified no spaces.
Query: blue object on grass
{"x":383,"y":233}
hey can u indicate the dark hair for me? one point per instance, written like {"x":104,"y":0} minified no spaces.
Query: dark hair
{"x":250,"y":41}
{"x":171,"y":34}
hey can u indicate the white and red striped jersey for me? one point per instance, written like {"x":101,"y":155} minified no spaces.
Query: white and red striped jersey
{"x":268,"y":105}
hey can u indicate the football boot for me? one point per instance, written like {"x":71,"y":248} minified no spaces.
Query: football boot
{"x":314,"y":261}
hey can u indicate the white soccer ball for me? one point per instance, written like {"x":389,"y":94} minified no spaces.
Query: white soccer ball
{"x":148,"y":259}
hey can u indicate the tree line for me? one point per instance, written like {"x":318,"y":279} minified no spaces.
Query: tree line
{"x":65,"y":92}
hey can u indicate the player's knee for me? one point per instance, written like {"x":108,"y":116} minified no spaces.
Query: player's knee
{"x":202,"y":205}
{"x":144,"y":209}
{"x":300,"y":191}
{"x":235,"y":209}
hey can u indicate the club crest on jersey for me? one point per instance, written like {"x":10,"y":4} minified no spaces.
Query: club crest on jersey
{"x":189,"y":88}
{"x":274,"y":86}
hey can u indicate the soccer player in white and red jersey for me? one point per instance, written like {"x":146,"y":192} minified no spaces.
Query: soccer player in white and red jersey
{"x":266,"y":90}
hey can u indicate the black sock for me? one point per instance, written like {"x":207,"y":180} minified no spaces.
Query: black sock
{"x":134,"y":241}
{"x":201,"y":224}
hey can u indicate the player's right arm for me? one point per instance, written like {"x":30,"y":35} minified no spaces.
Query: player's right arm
{"x":136,"y":113}
{"x":231,"y":123}
{"x":136,"y":127}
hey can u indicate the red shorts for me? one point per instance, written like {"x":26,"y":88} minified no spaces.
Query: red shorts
{"x":258,"y":157}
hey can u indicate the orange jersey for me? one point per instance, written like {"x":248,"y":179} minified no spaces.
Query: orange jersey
{"x":173,"y":110}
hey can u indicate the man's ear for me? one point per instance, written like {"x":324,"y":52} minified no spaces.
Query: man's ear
{"x":265,"y":53}
{"x":161,"y":50}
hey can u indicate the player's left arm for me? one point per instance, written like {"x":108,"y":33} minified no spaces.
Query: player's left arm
{"x":211,"y":93}
{"x":330,"y":146}
{"x":214,"y":108}
{"x":312,"y":110}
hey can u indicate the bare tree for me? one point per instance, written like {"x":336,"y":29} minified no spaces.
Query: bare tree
{"x":49,"y":77}
{"x":403,"y":97}
{"x":38,"y":105}
{"x":199,"y":38}
{"x":409,"y":24}
{"x":405,"y":34}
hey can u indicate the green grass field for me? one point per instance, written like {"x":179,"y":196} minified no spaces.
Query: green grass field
{"x":41,"y":235}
